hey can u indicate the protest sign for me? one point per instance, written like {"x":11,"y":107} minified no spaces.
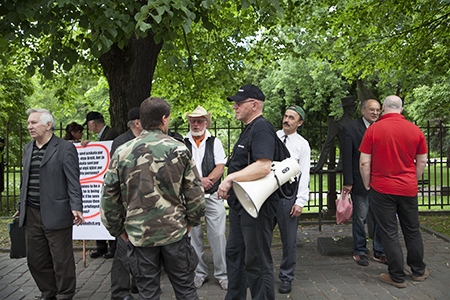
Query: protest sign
{"x":94,"y":161}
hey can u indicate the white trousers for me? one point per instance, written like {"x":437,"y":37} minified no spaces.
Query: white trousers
{"x":215,"y":217}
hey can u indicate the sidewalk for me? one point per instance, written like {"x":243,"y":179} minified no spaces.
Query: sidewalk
{"x":317,"y":276}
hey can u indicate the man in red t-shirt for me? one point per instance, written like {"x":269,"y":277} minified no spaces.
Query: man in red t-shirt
{"x":393,"y":157}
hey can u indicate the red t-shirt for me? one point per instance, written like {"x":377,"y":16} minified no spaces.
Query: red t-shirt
{"x":393,"y":142}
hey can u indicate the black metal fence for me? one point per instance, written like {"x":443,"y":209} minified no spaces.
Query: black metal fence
{"x":325,"y":185}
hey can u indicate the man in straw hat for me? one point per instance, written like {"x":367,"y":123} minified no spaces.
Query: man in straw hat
{"x":209,"y":156}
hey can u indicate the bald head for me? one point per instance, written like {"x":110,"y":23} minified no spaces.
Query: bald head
{"x":392,"y":104}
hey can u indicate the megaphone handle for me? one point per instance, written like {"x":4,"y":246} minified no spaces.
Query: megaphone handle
{"x":282,"y":192}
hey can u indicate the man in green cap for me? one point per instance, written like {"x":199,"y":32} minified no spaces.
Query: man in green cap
{"x":289,"y":210}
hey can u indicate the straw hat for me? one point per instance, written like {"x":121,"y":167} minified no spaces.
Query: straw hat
{"x":200,"y":112}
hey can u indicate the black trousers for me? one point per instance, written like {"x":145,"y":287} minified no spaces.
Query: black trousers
{"x":50,"y":257}
{"x":249,"y":258}
{"x":102,"y":245}
{"x":179,"y":261}
{"x":386,"y":209}
{"x":121,"y":282}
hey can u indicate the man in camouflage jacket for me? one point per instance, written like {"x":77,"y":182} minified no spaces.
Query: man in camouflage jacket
{"x":153,"y":181}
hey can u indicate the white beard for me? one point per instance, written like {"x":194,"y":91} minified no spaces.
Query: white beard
{"x":200,"y":133}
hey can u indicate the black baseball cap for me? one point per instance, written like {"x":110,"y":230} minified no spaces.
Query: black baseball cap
{"x":93,"y":115}
{"x":248,"y":91}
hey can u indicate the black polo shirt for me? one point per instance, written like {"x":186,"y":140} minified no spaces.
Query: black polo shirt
{"x":262,"y":145}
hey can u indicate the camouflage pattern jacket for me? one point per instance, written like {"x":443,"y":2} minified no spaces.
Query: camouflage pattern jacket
{"x":153,"y":181}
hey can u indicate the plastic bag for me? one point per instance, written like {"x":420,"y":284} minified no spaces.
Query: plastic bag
{"x":344,"y":208}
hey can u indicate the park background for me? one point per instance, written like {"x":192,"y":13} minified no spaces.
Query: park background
{"x":73,"y":57}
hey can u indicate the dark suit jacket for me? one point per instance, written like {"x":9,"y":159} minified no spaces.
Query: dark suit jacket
{"x":59,"y":180}
{"x":109,"y":134}
{"x":121,"y":139}
{"x":353,"y":133}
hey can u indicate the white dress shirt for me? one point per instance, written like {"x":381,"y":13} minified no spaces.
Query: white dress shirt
{"x":299,"y":149}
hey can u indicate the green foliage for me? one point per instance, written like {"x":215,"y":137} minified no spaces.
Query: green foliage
{"x":64,"y":33}
{"x":14,"y":88}
{"x":80,"y":97}
{"x":388,"y":37}
{"x":311,"y":84}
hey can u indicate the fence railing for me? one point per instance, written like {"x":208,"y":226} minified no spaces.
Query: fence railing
{"x":434,"y":187}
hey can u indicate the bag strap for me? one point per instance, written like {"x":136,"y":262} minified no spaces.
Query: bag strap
{"x":249,"y":144}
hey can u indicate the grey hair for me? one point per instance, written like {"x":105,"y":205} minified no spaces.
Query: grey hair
{"x":130,"y":124}
{"x":46,"y":116}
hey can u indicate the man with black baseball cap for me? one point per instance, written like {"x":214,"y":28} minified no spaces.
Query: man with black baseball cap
{"x":248,"y":235}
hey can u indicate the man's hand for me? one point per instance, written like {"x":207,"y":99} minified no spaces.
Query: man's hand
{"x":207,"y":183}
{"x":84,"y":143}
{"x":347,"y":188}
{"x":124,"y":236}
{"x":296,"y":210}
{"x":17,"y":213}
{"x":224,"y":187}
{"x":78,"y":218}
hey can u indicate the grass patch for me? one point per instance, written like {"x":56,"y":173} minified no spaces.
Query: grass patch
{"x":439,"y":223}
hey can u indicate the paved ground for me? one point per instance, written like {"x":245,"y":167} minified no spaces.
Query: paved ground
{"x":317,"y":276}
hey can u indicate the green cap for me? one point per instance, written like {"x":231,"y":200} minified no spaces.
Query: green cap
{"x":298,"y":110}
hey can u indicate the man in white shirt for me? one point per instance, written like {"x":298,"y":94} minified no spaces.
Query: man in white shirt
{"x":289,"y":211}
{"x":209,"y":156}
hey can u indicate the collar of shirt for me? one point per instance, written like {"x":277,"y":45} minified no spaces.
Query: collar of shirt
{"x":99,"y":135}
{"x":366,"y":123}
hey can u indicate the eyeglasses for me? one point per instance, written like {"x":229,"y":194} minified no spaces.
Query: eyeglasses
{"x":198,"y":121}
{"x":239,"y":104}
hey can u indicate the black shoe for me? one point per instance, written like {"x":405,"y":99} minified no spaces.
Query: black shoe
{"x":361,"y":260}
{"x":134,"y":290}
{"x":97,"y":253}
{"x":285,"y":287}
{"x":108,"y":255}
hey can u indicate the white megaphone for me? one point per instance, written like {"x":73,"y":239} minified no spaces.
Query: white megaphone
{"x":253,"y":194}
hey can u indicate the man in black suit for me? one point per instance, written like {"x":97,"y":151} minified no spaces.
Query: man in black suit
{"x":353,"y":133}
{"x":50,"y":203}
{"x":96,"y":123}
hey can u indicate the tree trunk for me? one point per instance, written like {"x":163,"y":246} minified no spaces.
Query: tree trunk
{"x":129,"y":72}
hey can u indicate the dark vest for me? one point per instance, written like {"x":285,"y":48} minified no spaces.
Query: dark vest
{"x":208,"y":163}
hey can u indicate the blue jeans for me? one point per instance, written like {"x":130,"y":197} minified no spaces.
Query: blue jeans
{"x":360,"y":217}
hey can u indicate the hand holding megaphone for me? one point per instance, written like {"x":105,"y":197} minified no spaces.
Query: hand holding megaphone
{"x":253,"y":194}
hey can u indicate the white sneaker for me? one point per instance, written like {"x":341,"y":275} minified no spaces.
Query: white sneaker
{"x":223,"y":283}
{"x":198,"y":281}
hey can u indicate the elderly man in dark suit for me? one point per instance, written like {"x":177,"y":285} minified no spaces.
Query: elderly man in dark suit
{"x":353,"y":133}
{"x":50,"y":203}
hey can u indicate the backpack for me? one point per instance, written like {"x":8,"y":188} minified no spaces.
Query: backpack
{"x":288,"y":190}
